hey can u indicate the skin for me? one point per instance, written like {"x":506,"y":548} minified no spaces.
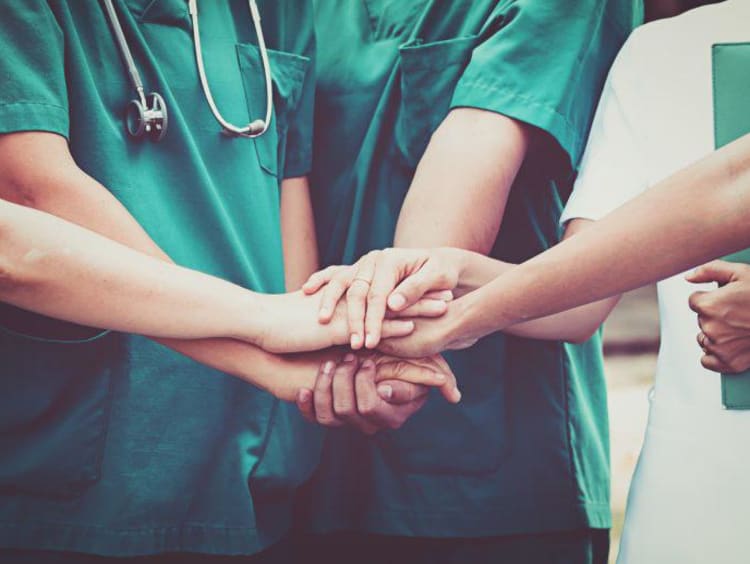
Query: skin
{"x":723,"y":316}
{"x":38,"y":172}
{"x":656,"y":239}
{"x":432,"y":215}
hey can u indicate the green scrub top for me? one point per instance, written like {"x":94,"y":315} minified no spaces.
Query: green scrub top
{"x":117,"y":445}
{"x":527,"y":448}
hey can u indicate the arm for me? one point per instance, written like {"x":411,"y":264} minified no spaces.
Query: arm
{"x":687,"y":219}
{"x":442,"y":195}
{"x":61,"y":188}
{"x":297,"y":232}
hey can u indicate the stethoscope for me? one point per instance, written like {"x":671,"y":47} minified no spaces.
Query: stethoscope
{"x":147,"y":115}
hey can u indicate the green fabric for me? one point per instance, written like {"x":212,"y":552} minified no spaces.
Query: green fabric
{"x":588,"y":546}
{"x":731,"y":84}
{"x":118,"y":446}
{"x":527,"y":448}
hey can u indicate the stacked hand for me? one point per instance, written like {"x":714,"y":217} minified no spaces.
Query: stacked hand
{"x":414,"y":284}
{"x":375,"y":303}
{"x":372,"y":392}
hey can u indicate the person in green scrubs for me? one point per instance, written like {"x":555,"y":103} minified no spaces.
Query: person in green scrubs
{"x":116,"y":445}
{"x":462,"y":124}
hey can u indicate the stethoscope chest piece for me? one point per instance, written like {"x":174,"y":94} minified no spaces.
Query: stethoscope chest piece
{"x":149,"y":119}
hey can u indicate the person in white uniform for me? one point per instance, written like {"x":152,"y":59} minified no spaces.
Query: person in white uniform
{"x":690,"y":493}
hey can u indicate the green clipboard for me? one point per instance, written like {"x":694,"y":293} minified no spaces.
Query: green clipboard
{"x":731,"y":90}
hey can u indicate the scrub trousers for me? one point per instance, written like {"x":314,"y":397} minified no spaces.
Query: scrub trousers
{"x":588,"y":546}
{"x":280,"y":553}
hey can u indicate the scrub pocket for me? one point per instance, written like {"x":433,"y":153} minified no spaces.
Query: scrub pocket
{"x":429,"y":74}
{"x":54,"y":411}
{"x":470,"y":438}
{"x":288,"y":72}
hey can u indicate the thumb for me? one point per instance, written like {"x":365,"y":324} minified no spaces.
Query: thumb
{"x":398,"y":392}
{"x":416,"y":286}
{"x":716,"y":271}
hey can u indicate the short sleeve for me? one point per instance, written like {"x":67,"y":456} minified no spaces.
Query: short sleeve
{"x":612,"y":168}
{"x":298,"y":160}
{"x":33,"y":93}
{"x":544,"y":63}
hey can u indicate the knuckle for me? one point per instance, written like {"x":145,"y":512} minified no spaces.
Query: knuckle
{"x":367,"y":409}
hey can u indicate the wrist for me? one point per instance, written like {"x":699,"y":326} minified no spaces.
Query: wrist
{"x":251,"y":321}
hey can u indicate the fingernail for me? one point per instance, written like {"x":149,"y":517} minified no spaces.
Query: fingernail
{"x":356,"y":340}
{"x":370,"y":341}
{"x":325,"y":312}
{"x":368,"y":364}
{"x":457,"y":395}
{"x":328,"y":367}
{"x":385,"y":392}
{"x":396,"y":301}
{"x":350,"y":357}
{"x":304,"y":395}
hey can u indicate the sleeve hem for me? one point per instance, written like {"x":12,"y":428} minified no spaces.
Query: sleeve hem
{"x":508,"y":101}
{"x":34,"y":116}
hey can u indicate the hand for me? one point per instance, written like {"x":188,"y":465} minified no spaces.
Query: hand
{"x":432,"y":336}
{"x":290,"y":324}
{"x":723,"y":316}
{"x":404,"y":282}
{"x":380,"y":393}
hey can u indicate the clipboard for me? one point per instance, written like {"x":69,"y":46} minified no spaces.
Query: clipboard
{"x":731,"y":94}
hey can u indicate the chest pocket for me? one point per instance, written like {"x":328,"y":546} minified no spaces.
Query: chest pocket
{"x":429,"y":74}
{"x":54,"y":413}
{"x":288,"y":72}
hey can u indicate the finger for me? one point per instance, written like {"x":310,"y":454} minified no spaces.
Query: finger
{"x":344,"y":400}
{"x":365,"y":389}
{"x":444,"y":295}
{"x":716,"y":271}
{"x":397,"y":392}
{"x":356,"y":300}
{"x":408,"y":371}
{"x":450,"y":389}
{"x":413,"y":288}
{"x":323,"y":397}
{"x":305,"y":404}
{"x":394,"y":328}
{"x":331,"y":295}
{"x":424,"y":308}
{"x":384,"y":280}
{"x":712,"y":363}
{"x":697,"y":300}
{"x":374,"y":409}
{"x":344,"y":403}
{"x":319,"y":279}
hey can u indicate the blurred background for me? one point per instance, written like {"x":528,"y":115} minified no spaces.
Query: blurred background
{"x":631,"y":341}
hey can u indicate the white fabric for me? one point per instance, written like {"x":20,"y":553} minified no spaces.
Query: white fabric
{"x":690,"y":497}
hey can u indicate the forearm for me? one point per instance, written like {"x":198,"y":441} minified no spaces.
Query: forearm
{"x":685,"y":220}
{"x":442,"y":195}
{"x":298,"y":232}
{"x":61,"y":270}
{"x":280,"y":375}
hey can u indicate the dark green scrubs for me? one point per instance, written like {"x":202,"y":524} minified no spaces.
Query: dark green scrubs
{"x":526,"y":451}
{"x":118,"y":446}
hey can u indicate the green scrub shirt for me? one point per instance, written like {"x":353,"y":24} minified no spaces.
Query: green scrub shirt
{"x":527,"y":448}
{"x":117,"y":445}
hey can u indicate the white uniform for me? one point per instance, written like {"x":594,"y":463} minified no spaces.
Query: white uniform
{"x":690,"y":497}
